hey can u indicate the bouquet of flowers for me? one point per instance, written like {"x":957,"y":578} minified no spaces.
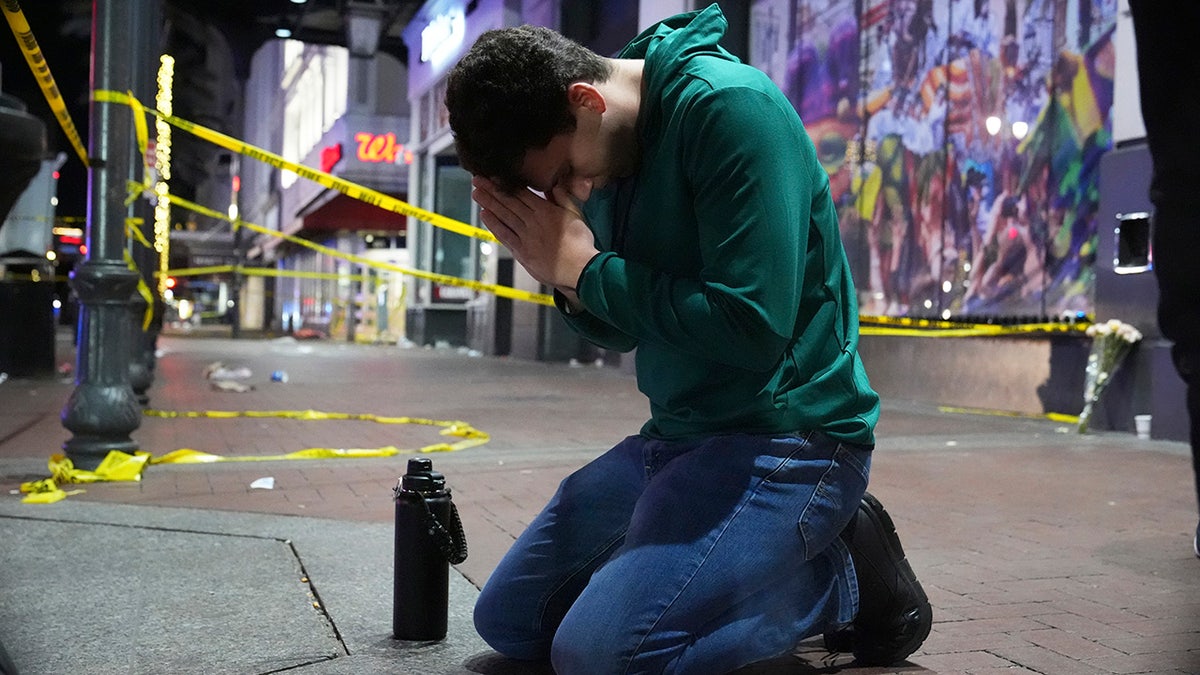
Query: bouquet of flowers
{"x":1111,"y":341}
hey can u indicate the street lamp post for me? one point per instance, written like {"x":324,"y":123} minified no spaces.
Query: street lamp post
{"x":146,"y":46}
{"x":103,"y":410}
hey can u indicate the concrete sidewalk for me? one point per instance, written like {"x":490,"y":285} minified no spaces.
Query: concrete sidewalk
{"x":110,"y":588}
{"x":1042,"y":550}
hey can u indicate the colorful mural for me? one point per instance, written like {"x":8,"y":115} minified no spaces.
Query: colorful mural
{"x":962,"y":139}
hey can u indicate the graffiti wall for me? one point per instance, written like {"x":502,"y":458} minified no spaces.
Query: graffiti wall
{"x":962,"y":139}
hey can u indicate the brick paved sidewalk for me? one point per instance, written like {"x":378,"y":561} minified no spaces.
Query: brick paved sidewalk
{"x":1042,"y":551}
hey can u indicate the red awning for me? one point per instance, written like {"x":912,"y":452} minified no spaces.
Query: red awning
{"x":345,"y":213}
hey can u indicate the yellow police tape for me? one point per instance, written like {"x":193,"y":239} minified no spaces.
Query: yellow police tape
{"x":348,"y":188}
{"x":117,"y":466}
{"x":143,"y":289}
{"x":41,"y":72}
{"x":1052,"y":416}
{"x":444,"y":279}
{"x":917,"y":327}
{"x":264,"y":272}
{"x":124,"y":467}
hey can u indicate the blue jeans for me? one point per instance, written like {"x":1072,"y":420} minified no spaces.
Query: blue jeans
{"x":696,"y":556}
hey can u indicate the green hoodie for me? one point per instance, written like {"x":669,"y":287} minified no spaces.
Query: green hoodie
{"x":720,"y":259}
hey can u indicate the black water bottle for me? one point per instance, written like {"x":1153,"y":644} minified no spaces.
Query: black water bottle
{"x":429,"y":537}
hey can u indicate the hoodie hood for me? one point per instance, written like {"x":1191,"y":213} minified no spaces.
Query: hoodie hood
{"x":670,"y":45}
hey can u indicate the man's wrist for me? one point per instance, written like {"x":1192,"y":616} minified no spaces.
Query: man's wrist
{"x":567,"y":301}
{"x":570,"y":303}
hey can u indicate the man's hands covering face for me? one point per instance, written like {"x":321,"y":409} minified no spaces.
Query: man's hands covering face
{"x":547,"y":236}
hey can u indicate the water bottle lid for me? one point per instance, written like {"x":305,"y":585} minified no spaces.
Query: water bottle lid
{"x":421,"y":477}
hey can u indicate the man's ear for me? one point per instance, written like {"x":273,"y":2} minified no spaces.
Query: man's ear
{"x":586,"y":95}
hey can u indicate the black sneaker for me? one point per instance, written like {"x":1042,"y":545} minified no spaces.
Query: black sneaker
{"x":894,"y":616}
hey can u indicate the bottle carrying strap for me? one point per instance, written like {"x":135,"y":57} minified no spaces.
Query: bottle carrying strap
{"x":451,"y":542}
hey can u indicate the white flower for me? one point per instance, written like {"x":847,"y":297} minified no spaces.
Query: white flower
{"x":1129,"y":333}
{"x":1115,"y":327}
{"x":1111,"y":341}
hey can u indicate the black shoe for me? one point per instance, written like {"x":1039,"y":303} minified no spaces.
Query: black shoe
{"x":894,"y":616}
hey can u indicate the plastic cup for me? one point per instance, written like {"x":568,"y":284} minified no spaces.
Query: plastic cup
{"x":1142,"y":423}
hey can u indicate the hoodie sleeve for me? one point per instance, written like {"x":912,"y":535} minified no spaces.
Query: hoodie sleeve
{"x":594,"y":330}
{"x":748,"y":161}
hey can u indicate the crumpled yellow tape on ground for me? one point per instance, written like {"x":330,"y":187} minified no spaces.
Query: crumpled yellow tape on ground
{"x":44,"y":491}
{"x":470,"y":436}
{"x":189,"y":456}
{"x":120,"y":466}
{"x":117,"y":466}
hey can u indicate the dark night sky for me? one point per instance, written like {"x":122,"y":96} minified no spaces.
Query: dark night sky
{"x":63,"y":31}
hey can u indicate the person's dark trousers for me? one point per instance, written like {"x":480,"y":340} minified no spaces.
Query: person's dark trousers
{"x":1169,"y":77}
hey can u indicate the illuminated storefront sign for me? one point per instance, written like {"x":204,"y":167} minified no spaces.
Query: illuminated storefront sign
{"x":443,"y":35}
{"x":381,"y":148}
{"x":330,"y":156}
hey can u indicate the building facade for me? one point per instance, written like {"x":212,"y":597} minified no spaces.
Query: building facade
{"x":320,"y":107}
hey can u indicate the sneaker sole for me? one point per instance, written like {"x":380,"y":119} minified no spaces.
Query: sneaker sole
{"x":895,"y":552}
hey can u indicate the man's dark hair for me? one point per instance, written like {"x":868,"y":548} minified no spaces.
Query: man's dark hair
{"x":508,"y":95}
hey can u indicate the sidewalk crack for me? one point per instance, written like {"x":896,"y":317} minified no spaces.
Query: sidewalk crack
{"x":318,"y":604}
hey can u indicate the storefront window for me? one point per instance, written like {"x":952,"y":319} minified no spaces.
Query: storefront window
{"x":453,"y":254}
